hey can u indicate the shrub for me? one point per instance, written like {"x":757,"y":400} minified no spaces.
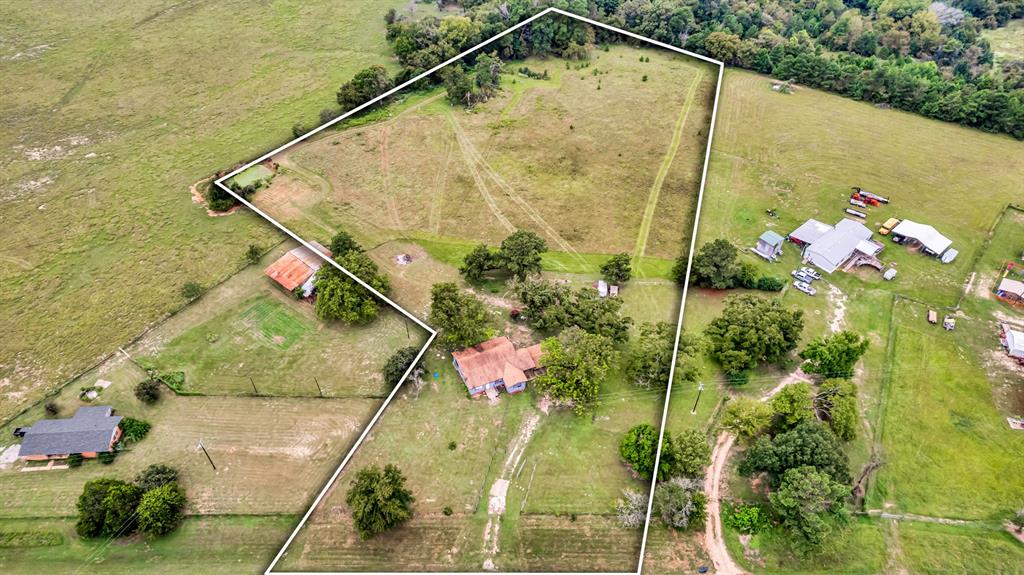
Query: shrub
{"x":298,"y":129}
{"x":253,"y":254}
{"x":745,"y":518}
{"x":770,"y":283}
{"x":452,"y":446}
{"x":133,"y":430}
{"x":52,"y":408}
{"x":739,"y":378}
{"x":173,"y":379}
{"x":398,"y":363}
{"x":191,"y":291}
{"x":148,"y":391}
{"x":161,"y":509}
{"x":75,"y":460}
{"x":447,"y":511}
{"x":107,"y":457}
{"x":92,"y":509}
{"x":156,"y":475}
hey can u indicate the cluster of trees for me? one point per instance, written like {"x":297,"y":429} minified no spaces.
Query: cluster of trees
{"x":916,"y":55}
{"x":752,"y":330}
{"x":679,"y":497}
{"x":340,"y":297}
{"x":796,"y":443}
{"x":153,"y":504}
{"x":717,"y":265}
{"x":650,"y":357}
{"x":551,"y":306}
{"x":475,"y":85}
{"x":519,"y":256}
{"x":379,"y":500}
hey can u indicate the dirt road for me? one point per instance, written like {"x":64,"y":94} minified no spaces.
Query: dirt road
{"x":714,"y":542}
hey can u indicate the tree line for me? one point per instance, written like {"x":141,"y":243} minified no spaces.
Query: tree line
{"x":915,"y":55}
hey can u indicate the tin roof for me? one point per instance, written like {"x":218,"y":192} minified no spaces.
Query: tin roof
{"x":772,"y":238}
{"x":295,"y":267}
{"x":496,"y":359}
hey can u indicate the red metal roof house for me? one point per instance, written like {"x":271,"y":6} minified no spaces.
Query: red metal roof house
{"x":495,"y":364}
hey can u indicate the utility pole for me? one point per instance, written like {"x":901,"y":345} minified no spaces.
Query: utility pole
{"x":700,"y":388}
{"x":318,"y":386}
{"x":407,"y":334}
{"x":210,"y":459}
{"x":254,"y":390}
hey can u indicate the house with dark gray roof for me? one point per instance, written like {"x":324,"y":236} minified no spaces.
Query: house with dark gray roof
{"x":91,"y":431}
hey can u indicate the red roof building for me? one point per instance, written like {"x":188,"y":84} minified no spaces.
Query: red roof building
{"x":298,"y":268}
{"x":495,"y":364}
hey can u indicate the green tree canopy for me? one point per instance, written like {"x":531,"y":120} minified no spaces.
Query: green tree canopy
{"x":365,"y":86}
{"x":548,"y":306}
{"x":342,"y":243}
{"x":119,"y":507}
{"x":808,"y":501}
{"x":746,"y":417}
{"x":575,"y":364}
{"x":92,"y":513}
{"x":750,"y":330}
{"x":379,"y":500}
{"x":397,"y":365}
{"x":650,"y":357}
{"x":809,"y":443}
{"x":836,"y":401}
{"x":617,"y":269}
{"x":339,"y":297}
{"x":834,"y":355}
{"x":792,"y":405}
{"x":520,"y":253}
{"x":461,"y":317}
{"x":161,"y":509}
{"x":638,"y":448}
{"x":478,"y":262}
{"x":685,"y":456}
{"x":716,"y":265}
{"x":156,"y":475}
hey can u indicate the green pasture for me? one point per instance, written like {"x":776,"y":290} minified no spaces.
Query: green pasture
{"x":249,"y":337}
{"x":768,"y":153}
{"x":226,"y":544}
{"x":152,"y":98}
{"x":947,"y":450}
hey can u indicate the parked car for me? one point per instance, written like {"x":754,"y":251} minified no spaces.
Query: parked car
{"x":805,"y":287}
{"x":801,"y":276}
{"x":811,"y":272}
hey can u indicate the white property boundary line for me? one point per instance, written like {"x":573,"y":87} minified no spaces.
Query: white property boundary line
{"x":433,"y":333}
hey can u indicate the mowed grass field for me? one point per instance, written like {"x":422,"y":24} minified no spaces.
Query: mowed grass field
{"x":250,"y":337}
{"x":948,"y":450}
{"x":570,"y":467}
{"x":1007,"y":42}
{"x":107,"y":117}
{"x":537,"y":156}
{"x":208,"y":545}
